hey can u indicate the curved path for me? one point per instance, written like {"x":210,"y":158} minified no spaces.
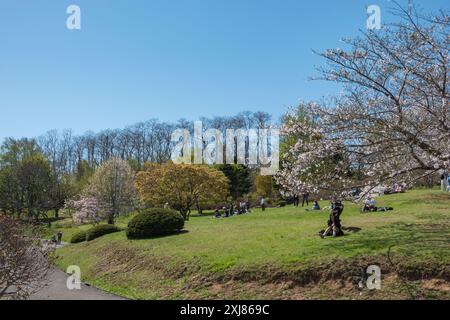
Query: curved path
{"x":56,"y":289}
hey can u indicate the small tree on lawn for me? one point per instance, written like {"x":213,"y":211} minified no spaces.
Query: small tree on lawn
{"x":181,"y":186}
{"x":112,"y":185}
{"x":85,"y":210}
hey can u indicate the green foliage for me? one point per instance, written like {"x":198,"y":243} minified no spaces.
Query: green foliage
{"x":154,"y":222}
{"x":25,"y":179}
{"x":181,"y":186}
{"x":264,"y":186}
{"x":78,"y":237}
{"x":101,"y":230}
{"x":83,"y":173}
{"x":239,"y":176}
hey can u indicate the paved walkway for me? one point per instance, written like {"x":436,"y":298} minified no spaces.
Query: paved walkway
{"x":56,"y":289}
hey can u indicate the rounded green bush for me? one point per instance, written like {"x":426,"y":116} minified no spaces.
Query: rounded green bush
{"x":154,"y":222}
{"x":100,"y":230}
{"x":78,"y":237}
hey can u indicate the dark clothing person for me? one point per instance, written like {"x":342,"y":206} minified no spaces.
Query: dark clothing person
{"x":226,"y":212}
{"x":296,"y":200}
{"x":334,"y":221}
{"x":305,"y":198}
{"x":316,"y":206}
{"x":231,"y":210}
{"x":59,"y":235}
{"x":377,"y":209}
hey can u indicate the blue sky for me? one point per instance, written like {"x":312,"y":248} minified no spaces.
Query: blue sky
{"x":167,"y":59}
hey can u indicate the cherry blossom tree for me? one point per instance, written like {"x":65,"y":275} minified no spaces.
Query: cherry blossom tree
{"x":113,"y":185}
{"x":392,"y":122}
{"x":86,"y":210}
{"x":24,"y":261}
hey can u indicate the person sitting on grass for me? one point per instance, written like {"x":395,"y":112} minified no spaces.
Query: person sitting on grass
{"x":399,"y":188}
{"x":247,"y":206}
{"x":226,"y":213}
{"x":217,"y":213}
{"x":334,"y":222}
{"x":231,"y":210}
{"x":315,"y":207}
{"x":370,"y":205}
{"x":242,"y":207}
{"x":383,"y":209}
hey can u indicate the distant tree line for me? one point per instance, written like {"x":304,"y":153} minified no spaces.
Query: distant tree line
{"x":38,"y":175}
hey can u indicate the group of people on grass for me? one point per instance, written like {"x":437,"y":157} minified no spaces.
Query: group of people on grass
{"x":334,"y":227}
{"x":396,"y":188}
{"x":232,"y":209}
{"x":305,"y":199}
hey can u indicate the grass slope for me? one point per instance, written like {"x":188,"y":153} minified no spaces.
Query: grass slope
{"x":278,"y":254}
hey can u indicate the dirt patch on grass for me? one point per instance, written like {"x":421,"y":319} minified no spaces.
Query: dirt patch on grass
{"x":436,"y":284}
{"x":392,"y":287}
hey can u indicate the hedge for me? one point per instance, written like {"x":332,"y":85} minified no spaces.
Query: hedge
{"x":78,"y":237}
{"x":100,"y":230}
{"x":154,"y":222}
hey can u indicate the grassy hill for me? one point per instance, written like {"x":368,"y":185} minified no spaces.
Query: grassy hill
{"x":278,"y":254}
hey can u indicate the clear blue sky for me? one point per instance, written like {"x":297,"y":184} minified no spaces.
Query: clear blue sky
{"x":167,"y":59}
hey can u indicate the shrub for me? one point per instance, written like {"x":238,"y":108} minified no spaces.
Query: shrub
{"x":281,"y":203}
{"x":78,"y":237}
{"x":154,"y":222}
{"x":100,"y":230}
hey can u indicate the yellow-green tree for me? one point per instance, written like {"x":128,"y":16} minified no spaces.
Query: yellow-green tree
{"x":181,"y":186}
{"x":264,"y":186}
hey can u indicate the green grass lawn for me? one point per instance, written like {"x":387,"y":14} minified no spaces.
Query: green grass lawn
{"x":278,"y":254}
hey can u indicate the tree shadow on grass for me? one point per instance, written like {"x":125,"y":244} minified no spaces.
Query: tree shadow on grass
{"x":407,"y":237}
{"x":351,"y":229}
{"x":172,"y":234}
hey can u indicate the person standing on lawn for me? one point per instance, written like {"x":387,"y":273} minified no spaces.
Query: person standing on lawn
{"x":263,"y":204}
{"x":296,"y":199}
{"x":305,"y":198}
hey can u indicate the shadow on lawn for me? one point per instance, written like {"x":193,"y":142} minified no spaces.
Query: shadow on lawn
{"x":418,"y":236}
{"x":172,"y":234}
{"x":351,"y":229}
